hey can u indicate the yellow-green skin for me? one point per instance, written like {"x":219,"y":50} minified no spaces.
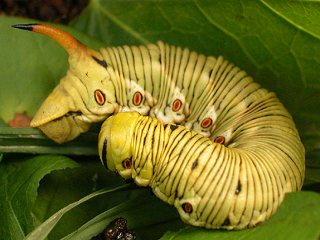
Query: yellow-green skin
{"x":227,"y":187}
{"x":58,"y":115}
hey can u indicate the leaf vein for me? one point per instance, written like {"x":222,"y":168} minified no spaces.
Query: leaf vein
{"x":120,"y":23}
{"x":294,"y":24}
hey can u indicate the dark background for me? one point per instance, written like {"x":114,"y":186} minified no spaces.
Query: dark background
{"x":58,"y":11}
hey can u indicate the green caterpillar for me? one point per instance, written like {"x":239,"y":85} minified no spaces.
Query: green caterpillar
{"x":230,"y":163}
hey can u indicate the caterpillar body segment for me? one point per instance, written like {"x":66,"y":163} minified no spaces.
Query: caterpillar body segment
{"x":210,"y":184}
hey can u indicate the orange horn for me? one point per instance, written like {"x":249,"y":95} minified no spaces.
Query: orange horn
{"x":68,"y":42}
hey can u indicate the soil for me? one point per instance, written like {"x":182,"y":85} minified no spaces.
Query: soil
{"x":57,"y":11}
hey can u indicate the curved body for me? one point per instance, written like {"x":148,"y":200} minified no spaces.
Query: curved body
{"x":211,"y":185}
{"x":230,"y":163}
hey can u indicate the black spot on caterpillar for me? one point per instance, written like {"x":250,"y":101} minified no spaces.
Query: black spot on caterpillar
{"x":194,"y":164}
{"x":237,"y":139}
{"x":100,"y":62}
{"x":70,"y":113}
{"x":104,"y":152}
{"x":226,"y":222}
{"x":238,"y":190}
{"x":171,"y":126}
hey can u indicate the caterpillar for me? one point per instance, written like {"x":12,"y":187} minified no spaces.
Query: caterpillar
{"x":211,"y":185}
{"x":196,"y":129}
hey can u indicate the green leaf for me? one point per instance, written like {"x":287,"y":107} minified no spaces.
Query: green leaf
{"x":19,"y":182}
{"x":313,"y":172}
{"x":64,"y":187}
{"x":304,"y":15}
{"x":2,"y":123}
{"x":45,"y":228}
{"x":144,"y":206}
{"x":30,"y":140}
{"x":297,"y":218}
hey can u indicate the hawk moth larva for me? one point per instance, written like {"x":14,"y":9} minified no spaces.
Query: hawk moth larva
{"x":256,"y":155}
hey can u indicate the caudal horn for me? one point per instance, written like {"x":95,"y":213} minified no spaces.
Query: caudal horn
{"x":68,"y":42}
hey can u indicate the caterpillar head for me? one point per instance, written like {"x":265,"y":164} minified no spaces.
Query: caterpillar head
{"x":85,"y":95}
{"x":115,"y":142}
